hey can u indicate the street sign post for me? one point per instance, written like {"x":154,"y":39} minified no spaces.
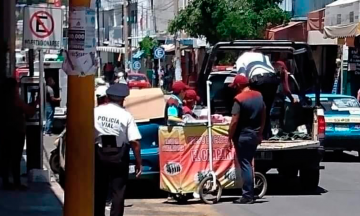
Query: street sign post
{"x":136,"y":65}
{"x":42,"y":28}
{"x":159,"y":53}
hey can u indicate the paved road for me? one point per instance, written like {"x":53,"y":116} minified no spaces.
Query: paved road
{"x":338,"y":194}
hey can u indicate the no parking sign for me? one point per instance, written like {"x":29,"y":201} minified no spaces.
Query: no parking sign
{"x":42,"y":28}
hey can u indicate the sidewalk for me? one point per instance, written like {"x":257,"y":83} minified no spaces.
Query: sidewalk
{"x":41,"y":199}
{"x":38,"y":200}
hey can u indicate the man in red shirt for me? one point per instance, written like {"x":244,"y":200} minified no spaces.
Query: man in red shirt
{"x":190,"y":99}
{"x":245,"y":132}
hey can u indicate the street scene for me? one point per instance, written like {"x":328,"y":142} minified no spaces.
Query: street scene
{"x":180,"y":107}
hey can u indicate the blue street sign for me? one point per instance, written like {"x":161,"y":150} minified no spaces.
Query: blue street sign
{"x":159,"y":53}
{"x":136,"y":65}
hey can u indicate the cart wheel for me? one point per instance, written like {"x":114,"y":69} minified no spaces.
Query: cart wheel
{"x":206,"y":195}
{"x":260,"y":185}
{"x":181,"y":198}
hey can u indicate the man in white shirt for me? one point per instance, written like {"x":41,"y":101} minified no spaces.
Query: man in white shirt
{"x":115,"y":133}
{"x":262,"y":77}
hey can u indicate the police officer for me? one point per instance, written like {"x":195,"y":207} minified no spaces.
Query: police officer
{"x":262,"y":77}
{"x":116,"y":132}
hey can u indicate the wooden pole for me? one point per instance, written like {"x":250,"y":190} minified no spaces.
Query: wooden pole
{"x":80,"y":147}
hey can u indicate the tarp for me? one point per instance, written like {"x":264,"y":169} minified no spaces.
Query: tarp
{"x":184,"y":158}
{"x":342,"y":19}
{"x":294,"y":31}
{"x":315,"y":20}
{"x":146,"y":104}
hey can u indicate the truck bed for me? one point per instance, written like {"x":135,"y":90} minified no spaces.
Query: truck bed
{"x":268,"y":145}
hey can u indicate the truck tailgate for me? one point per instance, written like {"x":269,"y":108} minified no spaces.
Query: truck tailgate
{"x":267,"y":145}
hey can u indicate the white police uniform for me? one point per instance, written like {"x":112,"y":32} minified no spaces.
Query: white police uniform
{"x":263,"y":78}
{"x":114,"y":129}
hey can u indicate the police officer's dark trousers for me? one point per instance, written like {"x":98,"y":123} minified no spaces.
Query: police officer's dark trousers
{"x":245,"y":150}
{"x":267,"y":85}
{"x":108,"y":168}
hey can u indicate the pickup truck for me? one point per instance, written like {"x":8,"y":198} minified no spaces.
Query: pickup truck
{"x":293,"y":155}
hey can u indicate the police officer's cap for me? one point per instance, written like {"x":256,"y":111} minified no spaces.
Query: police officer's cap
{"x":118,"y":90}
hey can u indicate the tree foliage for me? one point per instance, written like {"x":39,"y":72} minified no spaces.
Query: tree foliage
{"x":147,"y":44}
{"x":224,"y":20}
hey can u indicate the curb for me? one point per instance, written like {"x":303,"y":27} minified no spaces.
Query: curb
{"x":58,"y":192}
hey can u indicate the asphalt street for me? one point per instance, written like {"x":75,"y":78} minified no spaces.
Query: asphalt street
{"x":338,"y":194}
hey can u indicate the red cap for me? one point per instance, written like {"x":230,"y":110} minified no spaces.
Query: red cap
{"x":239,"y":80}
{"x":179,"y":86}
{"x":191,"y":94}
{"x":281,"y":64}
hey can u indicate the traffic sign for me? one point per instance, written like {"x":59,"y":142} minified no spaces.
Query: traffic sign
{"x":136,"y":65}
{"x":42,"y":28}
{"x":159,"y":53}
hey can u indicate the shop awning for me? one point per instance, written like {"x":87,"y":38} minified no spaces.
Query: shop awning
{"x":342,"y":19}
{"x":112,"y":49}
{"x":295,"y":31}
{"x":171,"y":47}
{"x":315,"y":28}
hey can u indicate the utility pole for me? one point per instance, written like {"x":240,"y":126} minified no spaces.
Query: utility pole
{"x":98,"y":2}
{"x":30,"y":52}
{"x":126,"y":33}
{"x":80,"y":147}
{"x":178,"y":71}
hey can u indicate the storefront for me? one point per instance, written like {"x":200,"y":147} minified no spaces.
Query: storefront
{"x":342,"y":22}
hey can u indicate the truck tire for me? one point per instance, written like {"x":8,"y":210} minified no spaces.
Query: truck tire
{"x":288,"y":172}
{"x":309,"y":179}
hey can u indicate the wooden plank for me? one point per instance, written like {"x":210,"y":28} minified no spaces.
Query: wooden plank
{"x":288,"y":145}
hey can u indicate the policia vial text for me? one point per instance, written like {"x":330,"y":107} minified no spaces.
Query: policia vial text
{"x":108,"y":122}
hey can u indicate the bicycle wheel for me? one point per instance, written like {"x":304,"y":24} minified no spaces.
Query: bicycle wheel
{"x":207,"y":195}
{"x":260,"y":185}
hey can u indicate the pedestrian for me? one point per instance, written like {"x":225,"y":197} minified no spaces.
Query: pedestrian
{"x":109,"y":72}
{"x":115,"y":132}
{"x":13,"y":129}
{"x":245,"y":132}
{"x":169,"y":77}
{"x":100,"y":93}
{"x":50,"y":104}
{"x":262,"y":77}
{"x":174,"y":105}
{"x":189,"y":102}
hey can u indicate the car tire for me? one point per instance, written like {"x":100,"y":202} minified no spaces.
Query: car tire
{"x":309,"y":179}
{"x":54,"y":162}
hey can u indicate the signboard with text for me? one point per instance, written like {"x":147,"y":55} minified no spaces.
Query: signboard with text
{"x":81,"y":42}
{"x":42,"y":28}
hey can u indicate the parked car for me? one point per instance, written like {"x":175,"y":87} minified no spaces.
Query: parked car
{"x":138,"y":81}
{"x":342,"y":122}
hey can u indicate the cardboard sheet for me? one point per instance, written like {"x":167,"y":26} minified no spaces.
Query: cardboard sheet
{"x":145,"y":104}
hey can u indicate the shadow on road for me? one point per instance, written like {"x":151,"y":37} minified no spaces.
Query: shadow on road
{"x":341,"y":157}
{"x":144,"y":189}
